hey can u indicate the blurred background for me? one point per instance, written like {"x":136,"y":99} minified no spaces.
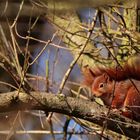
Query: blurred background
{"x":54,"y":59}
{"x":26,"y":29}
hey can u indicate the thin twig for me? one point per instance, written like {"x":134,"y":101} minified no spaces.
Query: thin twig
{"x":77,"y":57}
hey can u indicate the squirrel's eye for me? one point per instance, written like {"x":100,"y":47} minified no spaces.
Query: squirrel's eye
{"x":101,"y":85}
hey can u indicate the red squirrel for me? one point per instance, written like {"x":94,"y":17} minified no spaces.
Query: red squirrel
{"x":117,"y":87}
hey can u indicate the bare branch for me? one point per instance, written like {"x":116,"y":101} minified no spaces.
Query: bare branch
{"x":79,"y":108}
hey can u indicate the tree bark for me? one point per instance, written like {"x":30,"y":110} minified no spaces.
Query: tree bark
{"x":74,"y":107}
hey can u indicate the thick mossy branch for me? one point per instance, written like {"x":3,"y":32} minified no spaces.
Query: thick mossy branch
{"x":78,"y":108}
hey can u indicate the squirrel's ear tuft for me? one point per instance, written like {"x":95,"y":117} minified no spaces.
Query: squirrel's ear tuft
{"x":87,"y":71}
{"x":88,"y":75}
{"x":91,"y":73}
{"x":107,"y":77}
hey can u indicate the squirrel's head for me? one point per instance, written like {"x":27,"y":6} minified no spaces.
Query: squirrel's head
{"x":102,"y":85}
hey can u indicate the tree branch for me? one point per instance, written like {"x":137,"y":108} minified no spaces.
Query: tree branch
{"x":79,"y":108}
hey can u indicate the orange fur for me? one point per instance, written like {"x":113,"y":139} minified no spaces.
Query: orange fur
{"x":118,"y":88}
